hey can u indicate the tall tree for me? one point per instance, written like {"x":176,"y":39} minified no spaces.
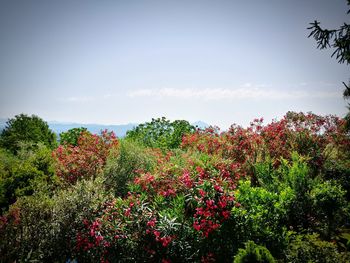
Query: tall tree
{"x":72,"y":135}
{"x":24,"y":128}
{"x":339,"y":40}
{"x":161,"y":133}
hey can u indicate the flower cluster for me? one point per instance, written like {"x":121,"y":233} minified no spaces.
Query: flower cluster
{"x":213,"y":208}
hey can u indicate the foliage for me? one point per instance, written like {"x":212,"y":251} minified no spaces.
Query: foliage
{"x":20,"y":175}
{"x":253,"y":253}
{"x":24,"y":128}
{"x":338,"y":169}
{"x":262,"y":216}
{"x":124,"y":163}
{"x":124,"y":201}
{"x":306,"y":134}
{"x":330,"y":206}
{"x":43,"y":228}
{"x":170,"y":209}
{"x":339,"y":39}
{"x":310,"y":248}
{"x":71,"y":136}
{"x":160,"y":133}
{"x":85,"y":160}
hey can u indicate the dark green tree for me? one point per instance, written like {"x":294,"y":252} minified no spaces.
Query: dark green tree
{"x":339,"y":40}
{"x":23,"y":129}
{"x":71,"y":136}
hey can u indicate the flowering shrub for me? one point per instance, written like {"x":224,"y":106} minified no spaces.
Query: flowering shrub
{"x":194,"y":198}
{"x":307,"y":134}
{"x":87,"y":158}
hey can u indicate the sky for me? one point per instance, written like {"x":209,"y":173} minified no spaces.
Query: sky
{"x":118,"y":62}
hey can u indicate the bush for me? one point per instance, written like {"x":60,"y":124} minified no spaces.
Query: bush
{"x":124,"y":164}
{"x":87,"y":159}
{"x":330,"y":206}
{"x":43,"y":228}
{"x":22,"y":174}
{"x":254,"y":253}
{"x":310,"y":248}
{"x":262,"y":216}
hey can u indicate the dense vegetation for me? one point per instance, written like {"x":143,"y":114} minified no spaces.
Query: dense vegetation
{"x":170,"y":193}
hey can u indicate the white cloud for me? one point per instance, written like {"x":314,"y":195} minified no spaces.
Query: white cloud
{"x":86,"y":99}
{"x":247,"y":92}
{"x":79,"y":99}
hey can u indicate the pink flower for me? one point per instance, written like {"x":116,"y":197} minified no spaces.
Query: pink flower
{"x":218,"y":188}
{"x":196,"y":226}
{"x":226,"y":214}
{"x":156,"y":234}
{"x":202,"y":192}
{"x":152,"y":222}
{"x":166,"y":241}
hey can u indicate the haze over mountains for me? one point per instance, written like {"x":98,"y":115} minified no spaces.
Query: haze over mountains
{"x":120,"y":130}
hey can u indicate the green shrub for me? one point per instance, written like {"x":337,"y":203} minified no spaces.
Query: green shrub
{"x":262,"y":215}
{"x":20,"y":175}
{"x":296,"y":175}
{"x":330,"y":206}
{"x":45,"y":227}
{"x":339,"y":169}
{"x":310,"y":248}
{"x":123,"y":163}
{"x":253,"y":253}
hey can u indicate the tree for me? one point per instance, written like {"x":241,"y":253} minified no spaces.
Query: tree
{"x":339,"y":40}
{"x":24,"y":128}
{"x":71,"y":136}
{"x":161,"y":133}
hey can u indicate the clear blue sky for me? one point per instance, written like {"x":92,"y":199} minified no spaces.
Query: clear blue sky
{"x":114,"y":62}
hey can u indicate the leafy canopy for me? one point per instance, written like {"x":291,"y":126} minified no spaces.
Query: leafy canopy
{"x":339,"y":40}
{"x":71,"y":136}
{"x":24,"y":128}
{"x":161,"y":133}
